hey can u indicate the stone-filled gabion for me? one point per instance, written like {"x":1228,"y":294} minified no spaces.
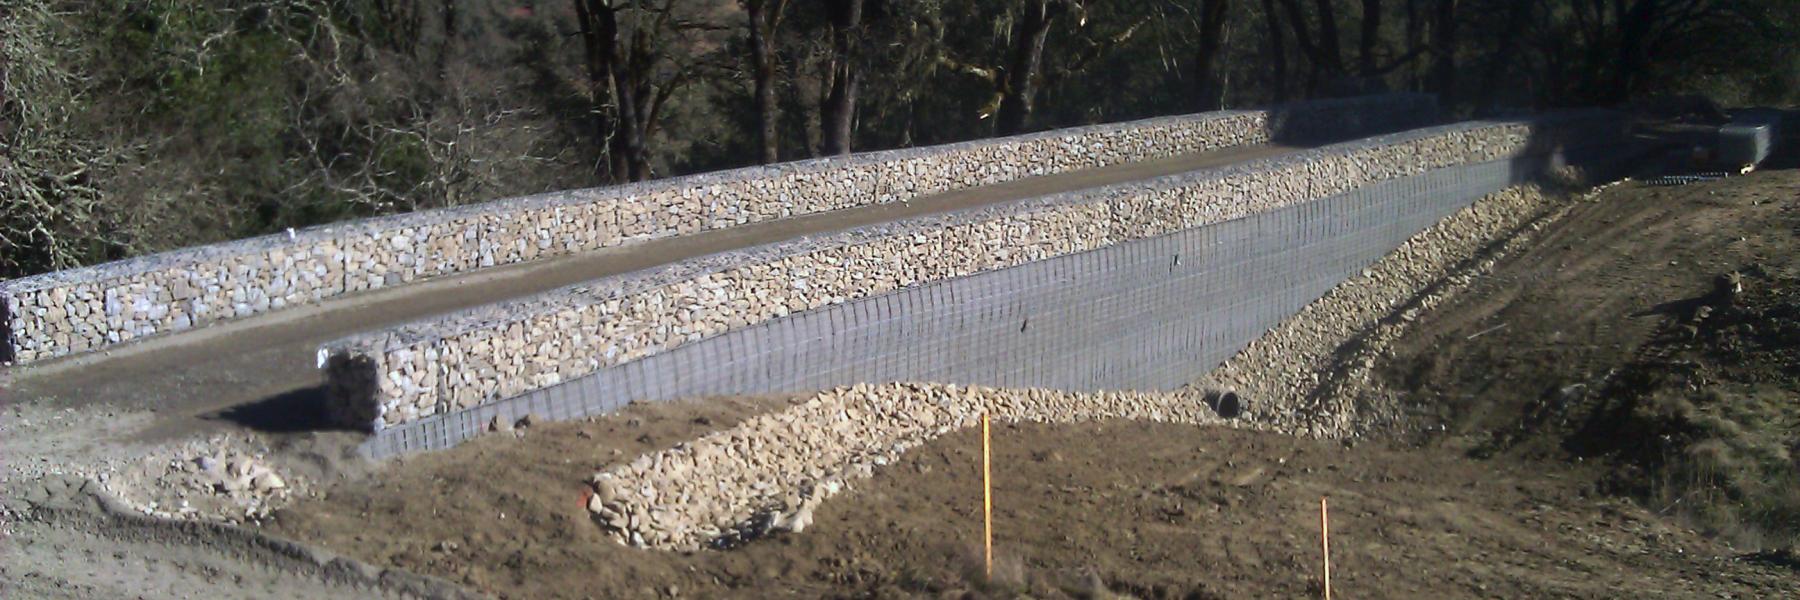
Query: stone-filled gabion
{"x":466,"y":359}
{"x":79,"y":310}
{"x":730,"y":482}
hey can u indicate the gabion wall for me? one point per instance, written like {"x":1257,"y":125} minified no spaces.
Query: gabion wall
{"x":474,"y":358}
{"x":78,"y":310}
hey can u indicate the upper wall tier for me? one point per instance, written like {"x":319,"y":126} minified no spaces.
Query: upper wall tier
{"x":78,"y":310}
{"x":470,"y":358}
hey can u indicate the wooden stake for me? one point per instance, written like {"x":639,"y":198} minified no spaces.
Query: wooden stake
{"x":1325,"y":542}
{"x":987,"y":497}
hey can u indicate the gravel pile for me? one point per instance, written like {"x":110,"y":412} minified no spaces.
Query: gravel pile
{"x":770,"y":471}
{"x":222,"y":478}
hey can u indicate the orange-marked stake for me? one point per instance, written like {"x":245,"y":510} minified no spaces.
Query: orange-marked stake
{"x":1325,"y":542}
{"x":987,"y":497}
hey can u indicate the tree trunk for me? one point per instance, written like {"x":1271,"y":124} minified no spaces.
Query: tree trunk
{"x":450,"y":32}
{"x":1331,"y":53}
{"x":1415,"y":38}
{"x":765,"y":16}
{"x":1019,"y":88}
{"x":1371,"y":34}
{"x":1634,"y":28}
{"x":629,"y":91}
{"x":1516,"y":15}
{"x":1277,"y":50}
{"x":1212,"y":26}
{"x":839,"y":112}
{"x":1443,"y":50}
{"x":1323,"y":58}
{"x":599,"y":36}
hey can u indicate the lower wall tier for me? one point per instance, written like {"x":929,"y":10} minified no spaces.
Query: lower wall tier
{"x":1149,"y":314}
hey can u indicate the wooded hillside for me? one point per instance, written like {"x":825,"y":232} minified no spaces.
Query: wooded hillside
{"x":132,"y":126}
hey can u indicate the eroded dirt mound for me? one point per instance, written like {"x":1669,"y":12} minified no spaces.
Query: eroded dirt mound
{"x":1656,"y":330}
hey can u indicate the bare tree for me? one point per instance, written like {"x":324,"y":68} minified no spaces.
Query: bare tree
{"x":1443,"y":50}
{"x":628,"y":46}
{"x":1212,"y":25}
{"x":1277,"y":50}
{"x":765,"y":24}
{"x":1016,"y":82}
{"x":839,"y":108}
{"x":1018,"y":91}
{"x":1370,"y":37}
{"x":1324,"y":56}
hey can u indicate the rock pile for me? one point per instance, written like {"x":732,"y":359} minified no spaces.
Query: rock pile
{"x":217,"y":478}
{"x":216,"y":481}
{"x":770,"y":471}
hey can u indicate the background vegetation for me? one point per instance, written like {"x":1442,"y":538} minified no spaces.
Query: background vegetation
{"x":131,"y":126}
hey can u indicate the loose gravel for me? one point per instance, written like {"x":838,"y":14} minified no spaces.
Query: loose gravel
{"x":769,"y":472}
{"x":223,"y":478}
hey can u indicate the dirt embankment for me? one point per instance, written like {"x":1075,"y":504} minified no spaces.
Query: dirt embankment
{"x":1653,"y":330}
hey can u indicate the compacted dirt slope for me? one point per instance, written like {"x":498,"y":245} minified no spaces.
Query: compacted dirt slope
{"x":1655,"y":330}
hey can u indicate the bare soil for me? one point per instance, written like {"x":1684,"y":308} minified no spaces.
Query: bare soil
{"x":1140,"y":509}
{"x":1655,"y":330}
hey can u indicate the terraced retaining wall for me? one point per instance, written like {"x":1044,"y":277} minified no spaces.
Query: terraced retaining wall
{"x":85,"y":309}
{"x":782,"y":317}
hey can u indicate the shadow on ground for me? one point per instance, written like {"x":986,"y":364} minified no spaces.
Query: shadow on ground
{"x":295,"y":411}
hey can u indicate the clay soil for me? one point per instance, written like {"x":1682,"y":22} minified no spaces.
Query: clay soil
{"x":1480,"y":498}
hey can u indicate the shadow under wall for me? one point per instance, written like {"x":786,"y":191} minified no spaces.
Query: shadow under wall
{"x":294,"y":411}
{"x":6,"y":337}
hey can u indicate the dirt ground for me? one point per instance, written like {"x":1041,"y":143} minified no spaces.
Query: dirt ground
{"x":1171,"y":511}
{"x":1148,"y":510}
